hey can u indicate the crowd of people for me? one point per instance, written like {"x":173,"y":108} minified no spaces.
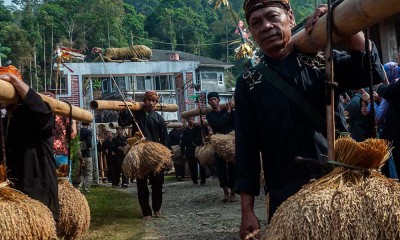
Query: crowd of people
{"x":271,"y":128}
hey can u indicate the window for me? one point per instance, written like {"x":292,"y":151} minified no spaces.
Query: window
{"x":164,"y":82}
{"x":144,"y":83}
{"x":106,"y":85}
{"x":121,"y":83}
{"x":61,"y":87}
{"x":209,"y":76}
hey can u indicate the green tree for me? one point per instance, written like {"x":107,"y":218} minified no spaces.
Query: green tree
{"x":133,"y":24}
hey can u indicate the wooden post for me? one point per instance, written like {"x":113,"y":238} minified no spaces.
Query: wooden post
{"x":387,"y":33}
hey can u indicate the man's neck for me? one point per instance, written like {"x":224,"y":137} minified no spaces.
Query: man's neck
{"x":282,"y":53}
{"x":217,"y":109}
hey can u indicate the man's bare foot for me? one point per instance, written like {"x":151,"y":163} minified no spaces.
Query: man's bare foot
{"x":157,"y":214}
{"x":232,"y":197}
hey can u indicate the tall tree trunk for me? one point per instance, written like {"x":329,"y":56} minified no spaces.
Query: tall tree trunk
{"x":51,"y":61}
{"x":108,"y":33}
{"x":35,"y":67}
{"x":44,"y":60}
{"x":30,"y":72}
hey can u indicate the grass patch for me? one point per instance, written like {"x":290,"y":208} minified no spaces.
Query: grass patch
{"x":114,"y":215}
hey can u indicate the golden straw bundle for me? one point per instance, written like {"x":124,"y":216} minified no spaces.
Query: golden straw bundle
{"x":224,"y":145}
{"x":205,"y":154}
{"x":146,"y":157}
{"x":74,"y":220}
{"x":347,"y":203}
{"x":22,"y":217}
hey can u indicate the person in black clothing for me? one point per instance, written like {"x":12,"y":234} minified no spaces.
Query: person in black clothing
{"x":154,"y":129}
{"x":191,"y":138}
{"x":118,"y":143}
{"x":271,"y":122}
{"x":85,"y":136}
{"x":175,"y":136}
{"x":391,"y":131}
{"x":222,"y":121}
{"x":107,"y":149}
{"x":29,"y":146}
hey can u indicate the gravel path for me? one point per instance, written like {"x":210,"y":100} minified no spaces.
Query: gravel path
{"x":195,"y":212}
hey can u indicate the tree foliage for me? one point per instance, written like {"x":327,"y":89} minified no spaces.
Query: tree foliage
{"x":31,"y":29}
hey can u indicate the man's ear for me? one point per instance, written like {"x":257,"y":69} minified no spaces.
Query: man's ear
{"x":292,"y":19}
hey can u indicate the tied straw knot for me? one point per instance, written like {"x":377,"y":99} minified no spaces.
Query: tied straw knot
{"x":4,"y":184}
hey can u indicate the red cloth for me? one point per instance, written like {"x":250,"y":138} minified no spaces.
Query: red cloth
{"x":60,"y":131}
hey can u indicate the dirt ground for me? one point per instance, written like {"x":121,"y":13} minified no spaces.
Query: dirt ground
{"x":195,"y":212}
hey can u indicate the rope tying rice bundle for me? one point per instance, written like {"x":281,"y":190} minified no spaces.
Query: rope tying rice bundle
{"x":224,"y":145}
{"x":347,"y":203}
{"x":22,"y":217}
{"x":74,"y":219}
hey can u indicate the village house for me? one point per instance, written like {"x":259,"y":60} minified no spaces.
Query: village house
{"x":177,"y":76}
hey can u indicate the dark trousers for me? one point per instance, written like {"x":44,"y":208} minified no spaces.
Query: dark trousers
{"x":109,"y":168}
{"x":226,"y":173}
{"x":157,"y":182}
{"x":193,"y":165}
{"x":116,"y":173}
{"x":179,"y":169}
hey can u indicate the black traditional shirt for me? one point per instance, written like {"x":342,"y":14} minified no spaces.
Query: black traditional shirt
{"x":221,"y":121}
{"x":392,"y":126}
{"x":29,"y":151}
{"x":268,"y":122}
{"x":191,"y":138}
{"x":118,"y":143}
{"x":152,"y":125}
{"x":85,"y":136}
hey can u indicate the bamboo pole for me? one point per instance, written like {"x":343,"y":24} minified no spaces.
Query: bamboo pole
{"x":115,"y":125}
{"x":137,"y":106}
{"x":349,"y":18}
{"x":202,"y":111}
{"x":8,"y":94}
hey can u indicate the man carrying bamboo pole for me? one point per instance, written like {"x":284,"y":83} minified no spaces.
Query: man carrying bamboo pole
{"x":280,"y":106}
{"x":29,"y":146}
{"x":154,"y":129}
{"x":222,"y":121}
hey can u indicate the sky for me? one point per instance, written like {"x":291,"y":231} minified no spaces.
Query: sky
{"x":7,"y":2}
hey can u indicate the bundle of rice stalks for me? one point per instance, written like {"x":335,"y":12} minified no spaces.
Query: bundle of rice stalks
{"x":22,"y":217}
{"x":62,"y":170}
{"x":224,"y":145}
{"x":146,"y":157}
{"x":132,"y":161}
{"x":205,"y":154}
{"x":132,"y":141}
{"x":176,"y":154}
{"x":155,"y":157}
{"x":351,"y":202}
{"x":74,"y":219}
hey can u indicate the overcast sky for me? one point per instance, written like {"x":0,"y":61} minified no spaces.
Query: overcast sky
{"x":7,"y":2}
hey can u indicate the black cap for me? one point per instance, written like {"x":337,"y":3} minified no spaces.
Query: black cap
{"x":212,"y":94}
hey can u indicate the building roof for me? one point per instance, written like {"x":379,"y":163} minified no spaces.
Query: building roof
{"x":164,"y":55}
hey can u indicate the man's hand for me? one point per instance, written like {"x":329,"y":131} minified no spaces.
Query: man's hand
{"x":365,"y":97}
{"x":19,"y":85}
{"x":249,"y":223}
{"x":318,"y":13}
